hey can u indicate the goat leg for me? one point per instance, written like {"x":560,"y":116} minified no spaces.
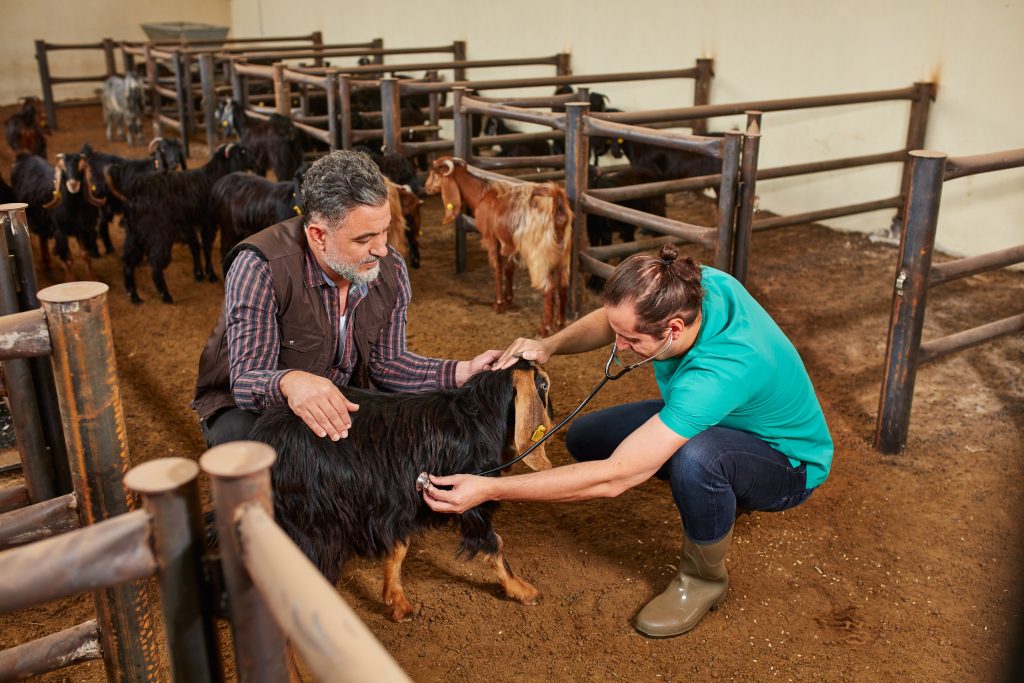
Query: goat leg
{"x":563,"y":300}
{"x":516,"y":588}
{"x":510,"y":271}
{"x":494,"y":258}
{"x":161,"y":285}
{"x":209,"y":235}
{"x":393,"y":594}
{"x":549,"y":311}
{"x":197,"y":267}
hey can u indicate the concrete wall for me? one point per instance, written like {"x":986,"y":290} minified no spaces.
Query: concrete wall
{"x":83,"y":21}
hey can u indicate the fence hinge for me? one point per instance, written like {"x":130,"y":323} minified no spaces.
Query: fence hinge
{"x":900,"y":279}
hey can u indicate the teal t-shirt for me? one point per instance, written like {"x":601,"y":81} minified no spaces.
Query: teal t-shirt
{"x":743,"y":373}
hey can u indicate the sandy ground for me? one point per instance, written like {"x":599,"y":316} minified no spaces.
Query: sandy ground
{"x":898,"y":568}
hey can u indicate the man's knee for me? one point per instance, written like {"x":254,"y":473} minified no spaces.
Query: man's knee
{"x":700,"y":459}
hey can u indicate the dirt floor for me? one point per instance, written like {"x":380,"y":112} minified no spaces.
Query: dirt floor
{"x":898,"y":568}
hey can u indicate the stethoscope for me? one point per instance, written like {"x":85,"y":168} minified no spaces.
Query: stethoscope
{"x":423,"y":480}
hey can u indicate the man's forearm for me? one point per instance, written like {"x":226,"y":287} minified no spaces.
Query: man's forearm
{"x":578,"y":481}
{"x":590,"y":332}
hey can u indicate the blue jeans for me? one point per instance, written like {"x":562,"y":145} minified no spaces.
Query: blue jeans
{"x":712,"y":474}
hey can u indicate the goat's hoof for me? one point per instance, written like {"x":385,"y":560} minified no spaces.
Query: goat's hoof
{"x":199,"y":276}
{"x":211,"y":277}
{"x":167,"y":298}
{"x":523,"y":592}
{"x":404,"y":612}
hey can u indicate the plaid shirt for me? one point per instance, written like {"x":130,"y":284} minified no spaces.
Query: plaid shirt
{"x":253,"y":337}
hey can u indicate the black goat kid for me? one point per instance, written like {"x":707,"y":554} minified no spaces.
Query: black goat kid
{"x":165,"y":208}
{"x":275,"y":144}
{"x":26,"y":129}
{"x":357,"y":496}
{"x":112,"y":175}
{"x":61,"y":205}
{"x":243,"y":204}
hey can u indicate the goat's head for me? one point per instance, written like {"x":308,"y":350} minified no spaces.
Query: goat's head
{"x":168,"y":154}
{"x":297,"y":180}
{"x":225,"y":118}
{"x":532,"y":411}
{"x":441,"y":179}
{"x":72,"y":167}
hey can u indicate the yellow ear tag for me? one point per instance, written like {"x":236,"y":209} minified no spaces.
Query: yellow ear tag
{"x":538,"y":433}
{"x":298,"y":211}
{"x":449,"y":206}
{"x":92,"y":187}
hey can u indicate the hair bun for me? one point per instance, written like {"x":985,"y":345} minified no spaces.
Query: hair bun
{"x":668,"y":254}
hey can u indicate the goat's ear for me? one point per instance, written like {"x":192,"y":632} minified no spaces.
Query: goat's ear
{"x":531,"y":416}
{"x":452,"y":199}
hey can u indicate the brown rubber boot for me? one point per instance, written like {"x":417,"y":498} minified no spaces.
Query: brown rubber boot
{"x":699,"y":586}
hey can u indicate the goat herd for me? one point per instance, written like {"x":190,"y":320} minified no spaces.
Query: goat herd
{"x":162,"y":202}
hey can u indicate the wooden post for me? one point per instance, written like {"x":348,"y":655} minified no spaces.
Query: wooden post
{"x":563,"y":64}
{"x":108,"y":54}
{"x":577,"y":151}
{"x":748,"y":196}
{"x":917,"y":127}
{"x":317,"y":38}
{"x":240,"y":471}
{"x":206,"y":78}
{"x":95,"y":432}
{"x":46,"y":84}
{"x":152,"y":72}
{"x":170,"y":491}
{"x":702,"y":92}
{"x":910,"y":294}
{"x":378,"y":44}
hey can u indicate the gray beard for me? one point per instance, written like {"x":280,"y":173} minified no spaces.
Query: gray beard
{"x":352,"y":271}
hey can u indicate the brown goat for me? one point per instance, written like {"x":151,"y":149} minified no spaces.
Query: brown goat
{"x":528,"y":222}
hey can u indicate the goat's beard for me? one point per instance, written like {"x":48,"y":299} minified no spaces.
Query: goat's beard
{"x":353,"y":272}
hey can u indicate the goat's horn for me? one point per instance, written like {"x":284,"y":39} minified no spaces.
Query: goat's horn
{"x":152,"y":145}
{"x":450,"y":165}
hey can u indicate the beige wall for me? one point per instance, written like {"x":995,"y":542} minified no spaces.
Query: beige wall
{"x":84,"y":21}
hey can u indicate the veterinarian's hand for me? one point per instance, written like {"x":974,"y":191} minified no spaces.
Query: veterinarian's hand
{"x":527,"y":349}
{"x":319,"y":403}
{"x":467,"y":492}
{"x":467,"y":368}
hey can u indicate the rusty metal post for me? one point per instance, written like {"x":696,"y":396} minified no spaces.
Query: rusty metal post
{"x":207,"y":75}
{"x":184,"y":93}
{"x":563,"y":64}
{"x":19,"y":242}
{"x":577,"y":151}
{"x":459,"y":55}
{"x":170,"y":491}
{"x":36,"y":460}
{"x":917,"y":128}
{"x":127,"y":59}
{"x":46,"y":84}
{"x":378,"y":44}
{"x":50,"y":653}
{"x":391,"y":115}
{"x":464,"y":150}
{"x":282,"y":91}
{"x":728,"y":193}
{"x":702,"y":92}
{"x":36,"y":522}
{"x":748,"y":196}
{"x":317,"y":38}
{"x":108,"y":54}
{"x":238,"y":90}
{"x":331,"y":93}
{"x":240,"y":473}
{"x":95,"y":433}
{"x":910,"y":293}
{"x":152,"y":73}
{"x":345,"y":109}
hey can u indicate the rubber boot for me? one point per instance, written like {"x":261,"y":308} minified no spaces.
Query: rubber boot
{"x":699,"y":586}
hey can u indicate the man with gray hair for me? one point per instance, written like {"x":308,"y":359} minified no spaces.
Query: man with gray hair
{"x":313,"y":304}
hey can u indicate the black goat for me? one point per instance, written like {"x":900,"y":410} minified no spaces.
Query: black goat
{"x":112,"y":175}
{"x":357,"y":496}
{"x":601,"y":229}
{"x":667,"y":163}
{"x":598,"y":101}
{"x":164,"y":208}
{"x":274,"y":144}
{"x":243,"y":204}
{"x":61,"y":205}
{"x":526,"y":148}
{"x":7,"y":195}
{"x":26,"y":129}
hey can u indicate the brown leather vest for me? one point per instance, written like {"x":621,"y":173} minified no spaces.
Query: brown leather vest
{"x":303,"y":323}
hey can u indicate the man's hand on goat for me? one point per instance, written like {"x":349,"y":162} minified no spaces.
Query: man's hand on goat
{"x":319,"y":403}
{"x":467,"y":368}
{"x":527,"y":349}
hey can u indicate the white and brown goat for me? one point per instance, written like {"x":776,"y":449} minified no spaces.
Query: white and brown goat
{"x":527,"y":222}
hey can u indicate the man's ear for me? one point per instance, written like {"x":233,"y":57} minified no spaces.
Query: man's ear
{"x":316,"y":235}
